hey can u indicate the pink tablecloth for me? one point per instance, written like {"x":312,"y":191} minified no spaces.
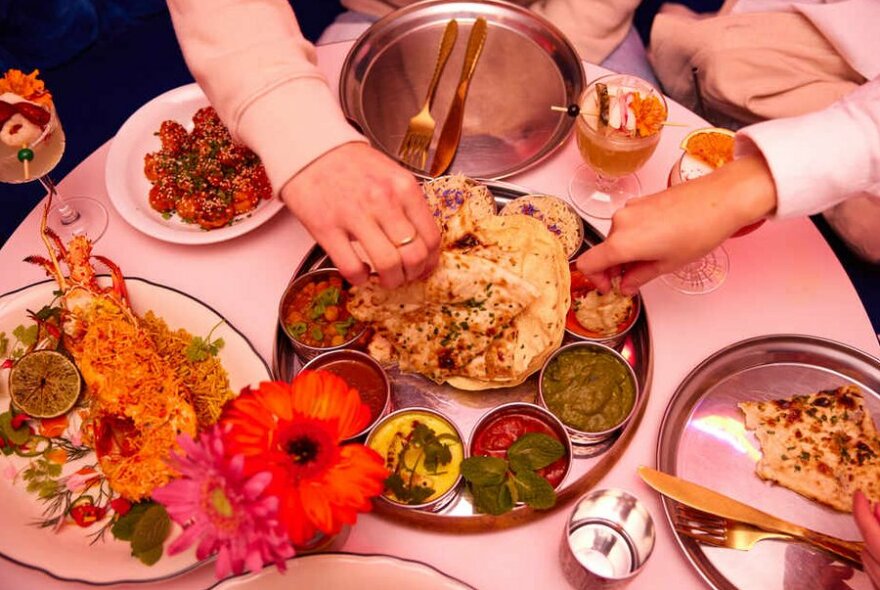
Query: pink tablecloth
{"x":803,"y":289}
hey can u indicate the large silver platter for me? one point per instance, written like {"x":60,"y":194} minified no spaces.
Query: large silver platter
{"x":466,"y":407}
{"x":702,"y":439}
{"x":526,"y":66}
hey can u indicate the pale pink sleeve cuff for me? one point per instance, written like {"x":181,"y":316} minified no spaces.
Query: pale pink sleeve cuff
{"x":820,"y":159}
{"x":293,"y":124}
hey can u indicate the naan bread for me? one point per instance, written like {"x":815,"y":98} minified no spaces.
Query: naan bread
{"x":823,"y":446}
{"x":488,"y":316}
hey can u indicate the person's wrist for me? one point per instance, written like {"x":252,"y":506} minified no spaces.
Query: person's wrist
{"x":751,"y":190}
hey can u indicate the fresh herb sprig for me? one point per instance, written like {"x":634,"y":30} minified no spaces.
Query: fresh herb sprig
{"x":201,"y":349}
{"x":498,"y":484}
{"x":424,"y":448}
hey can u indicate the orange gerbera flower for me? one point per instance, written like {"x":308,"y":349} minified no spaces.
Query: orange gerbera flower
{"x":294,"y":432}
{"x":27,"y":86}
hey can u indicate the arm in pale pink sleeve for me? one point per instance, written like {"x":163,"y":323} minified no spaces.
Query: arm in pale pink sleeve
{"x":259,"y":72}
{"x":820,"y":159}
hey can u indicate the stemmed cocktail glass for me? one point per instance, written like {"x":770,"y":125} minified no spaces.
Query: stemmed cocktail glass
{"x":31,"y":145}
{"x":617,"y":129}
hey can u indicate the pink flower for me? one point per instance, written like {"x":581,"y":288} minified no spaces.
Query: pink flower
{"x":222,"y":509}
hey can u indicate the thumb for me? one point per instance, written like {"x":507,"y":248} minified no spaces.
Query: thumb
{"x":637,"y":274}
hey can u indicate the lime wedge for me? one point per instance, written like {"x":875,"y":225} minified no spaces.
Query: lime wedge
{"x":44,"y":384}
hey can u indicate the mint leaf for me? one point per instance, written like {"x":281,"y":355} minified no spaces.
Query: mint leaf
{"x":493,"y":500}
{"x":533,"y":451}
{"x":484,"y":471}
{"x":151,"y":530}
{"x":150,"y":556}
{"x":534,"y":490}
{"x":123,"y":528}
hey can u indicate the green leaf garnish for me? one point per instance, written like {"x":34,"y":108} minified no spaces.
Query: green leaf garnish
{"x":493,"y":500}
{"x":151,"y":530}
{"x":200,"y":349}
{"x":534,"y":451}
{"x":26,"y":335}
{"x":4,"y":344}
{"x":484,"y":471}
{"x":296,"y":329}
{"x":534,"y":490}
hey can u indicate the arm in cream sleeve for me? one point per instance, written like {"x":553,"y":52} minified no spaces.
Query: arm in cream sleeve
{"x":259,"y":72}
{"x":820,"y":159}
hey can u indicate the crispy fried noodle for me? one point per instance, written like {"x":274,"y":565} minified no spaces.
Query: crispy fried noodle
{"x":141,"y":389}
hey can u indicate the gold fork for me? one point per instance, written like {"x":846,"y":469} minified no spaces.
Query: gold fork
{"x":721,"y":532}
{"x":414,"y":147}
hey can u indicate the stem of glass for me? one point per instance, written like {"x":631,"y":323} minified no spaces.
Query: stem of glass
{"x":66,"y":213}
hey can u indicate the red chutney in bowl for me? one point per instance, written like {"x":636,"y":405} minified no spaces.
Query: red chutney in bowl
{"x":496,"y":433}
{"x":580,"y":286}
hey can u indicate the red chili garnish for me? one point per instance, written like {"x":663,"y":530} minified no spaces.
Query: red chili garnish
{"x":86,"y":515}
{"x":120,"y":506}
{"x":7,"y":364}
{"x":19,"y":419}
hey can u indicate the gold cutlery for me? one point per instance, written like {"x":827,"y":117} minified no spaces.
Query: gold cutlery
{"x":414,"y":147}
{"x":720,"y":532}
{"x":451,"y":133}
{"x":709,"y":501}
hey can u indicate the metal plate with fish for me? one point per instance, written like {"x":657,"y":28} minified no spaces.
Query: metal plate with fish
{"x":526,"y":66}
{"x":465,"y":408}
{"x":703,"y":439}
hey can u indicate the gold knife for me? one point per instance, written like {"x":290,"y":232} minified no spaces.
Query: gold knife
{"x":451,"y":133}
{"x":707,"y":500}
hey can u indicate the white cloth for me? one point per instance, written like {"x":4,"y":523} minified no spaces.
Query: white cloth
{"x":851,"y":26}
{"x":822,"y":158}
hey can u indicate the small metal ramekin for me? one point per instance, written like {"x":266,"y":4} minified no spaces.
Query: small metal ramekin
{"x":446,"y":497}
{"x":581,"y":437}
{"x":535,"y":411}
{"x":322,"y":360}
{"x":614,"y":340}
{"x":304,"y":351}
{"x":607,"y":540}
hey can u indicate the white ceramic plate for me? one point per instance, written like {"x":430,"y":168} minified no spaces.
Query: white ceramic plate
{"x":66,"y":554}
{"x":344,"y":571}
{"x":128,"y":188}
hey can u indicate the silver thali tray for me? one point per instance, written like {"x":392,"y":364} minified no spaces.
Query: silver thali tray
{"x":466,"y":407}
{"x":527,"y":65}
{"x":702,"y":439}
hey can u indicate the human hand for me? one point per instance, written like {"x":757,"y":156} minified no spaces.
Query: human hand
{"x":867,"y":520}
{"x":659,"y":233}
{"x":355,"y":193}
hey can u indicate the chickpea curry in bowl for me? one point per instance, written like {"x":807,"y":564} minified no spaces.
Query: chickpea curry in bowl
{"x":314,"y":314}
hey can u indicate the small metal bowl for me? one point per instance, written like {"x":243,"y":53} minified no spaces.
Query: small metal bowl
{"x":443,"y":499}
{"x":516,"y":207}
{"x":607,"y":540}
{"x":581,"y":285}
{"x":533,"y":411}
{"x":336,"y":361}
{"x":582,"y":437}
{"x":305,"y":351}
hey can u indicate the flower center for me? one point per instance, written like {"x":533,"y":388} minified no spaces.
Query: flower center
{"x":302,"y":450}
{"x":310,"y":446}
{"x":221,"y":503}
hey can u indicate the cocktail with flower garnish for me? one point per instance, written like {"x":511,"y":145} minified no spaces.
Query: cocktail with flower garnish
{"x":618,"y":128}
{"x":31,"y":145}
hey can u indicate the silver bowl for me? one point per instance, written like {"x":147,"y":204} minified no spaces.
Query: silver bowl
{"x":534,"y":411}
{"x":327,"y":361}
{"x":615,"y":340}
{"x":582,"y":437}
{"x":305,"y":351}
{"x":446,"y":497}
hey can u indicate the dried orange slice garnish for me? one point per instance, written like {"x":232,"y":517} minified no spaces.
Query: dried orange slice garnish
{"x":712,"y":145}
{"x":27,"y":86}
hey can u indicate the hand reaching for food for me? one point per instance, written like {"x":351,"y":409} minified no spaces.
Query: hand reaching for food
{"x":659,"y":233}
{"x":868,"y":520}
{"x":354,"y":193}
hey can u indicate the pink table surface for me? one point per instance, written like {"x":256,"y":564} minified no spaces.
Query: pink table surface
{"x":804,"y":290}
